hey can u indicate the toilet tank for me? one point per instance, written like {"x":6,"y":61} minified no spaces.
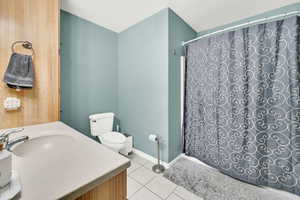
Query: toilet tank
{"x":101,"y":123}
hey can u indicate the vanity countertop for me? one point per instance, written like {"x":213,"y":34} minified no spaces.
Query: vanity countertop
{"x":59,"y":162}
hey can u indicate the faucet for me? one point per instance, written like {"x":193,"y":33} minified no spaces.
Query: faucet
{"x":4,"y":137}
{"x":10,"y":144}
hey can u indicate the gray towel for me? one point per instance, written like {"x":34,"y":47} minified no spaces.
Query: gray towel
{"x":20,"y":72}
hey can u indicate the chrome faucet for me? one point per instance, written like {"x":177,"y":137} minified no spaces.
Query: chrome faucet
{"x":4,"y":137}
{"x":11,"y":143}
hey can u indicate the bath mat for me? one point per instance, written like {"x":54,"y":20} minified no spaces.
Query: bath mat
{"x":210,"y":184}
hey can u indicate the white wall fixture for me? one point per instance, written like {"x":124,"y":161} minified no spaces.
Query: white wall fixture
{"x":11,"y":103}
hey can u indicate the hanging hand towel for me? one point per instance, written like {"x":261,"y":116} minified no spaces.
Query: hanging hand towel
{"x":20,"y":72}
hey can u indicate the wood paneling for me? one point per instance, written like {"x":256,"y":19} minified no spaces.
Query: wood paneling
{"x":113,"y":189}
{"x":38,"y":22}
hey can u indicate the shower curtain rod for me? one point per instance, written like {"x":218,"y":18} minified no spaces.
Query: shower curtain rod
{"x":242,"y":25}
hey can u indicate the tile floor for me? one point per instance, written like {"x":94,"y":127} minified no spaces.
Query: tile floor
{"x":143,"y":184}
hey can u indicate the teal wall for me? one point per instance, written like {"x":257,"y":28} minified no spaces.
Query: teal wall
{"x":289,"y":8}
{"x":178,"y":31}
{"x":143,"y":82}
{"x":135,"y":74}
{"x":149,"y":81}
{"x":89,"y":55}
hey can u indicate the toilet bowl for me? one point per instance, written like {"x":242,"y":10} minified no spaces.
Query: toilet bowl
{"x":113,"y":140}
{"x":101,"y":126}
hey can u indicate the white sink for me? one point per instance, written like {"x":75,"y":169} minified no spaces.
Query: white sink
{"x":47,"y":145}
{"x":57,"y":161}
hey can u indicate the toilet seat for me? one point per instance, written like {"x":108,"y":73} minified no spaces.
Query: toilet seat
{"x":113,"y":138}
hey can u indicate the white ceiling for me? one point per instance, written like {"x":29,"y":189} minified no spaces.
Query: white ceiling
{"x":118,"y":15}
{"x":207,"y":14}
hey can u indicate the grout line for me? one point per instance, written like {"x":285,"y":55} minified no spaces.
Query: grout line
{"x":178,"y":196}
{"x":172,"y":191}
{"x":135,"y":169}
{"x":147,"y":181}
{"x":144,"y":185}
{"x":137,"y":181}
{"x":157,"y":194}
{"x":154,"y":193}
{"x":151,"y":178}
{"x":136,"y":191}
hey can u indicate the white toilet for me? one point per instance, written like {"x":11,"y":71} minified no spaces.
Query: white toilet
{"x":102,"y":126}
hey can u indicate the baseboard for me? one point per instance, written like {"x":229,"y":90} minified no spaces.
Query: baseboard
{"x":153,"y":159}
{"x":148,"y":157}
{"x":175,"y":159}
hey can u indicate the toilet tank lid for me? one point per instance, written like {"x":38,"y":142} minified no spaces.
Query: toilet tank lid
{"x":101,"y":116}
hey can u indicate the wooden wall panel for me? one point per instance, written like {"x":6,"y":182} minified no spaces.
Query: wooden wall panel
{"x":38,"y":22}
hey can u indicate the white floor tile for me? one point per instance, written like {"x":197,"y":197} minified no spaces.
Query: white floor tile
{"x":144,"y":194}
{"x":133,"y":166}
{"x":132,"y":187}
{"x":137,"y":159}
{"x":173,"y":197}
{"x":161,"y":186}
{"x":185,"y":194}
{"x":142,"y":175}
{"x":149,"y":165}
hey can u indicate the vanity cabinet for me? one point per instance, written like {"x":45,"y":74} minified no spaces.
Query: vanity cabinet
{"x":112,"y":189}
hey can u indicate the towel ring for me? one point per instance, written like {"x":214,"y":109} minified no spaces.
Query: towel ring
{"x":25,"y":44}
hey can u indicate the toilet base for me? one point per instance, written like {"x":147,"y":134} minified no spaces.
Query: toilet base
{"x":128,"y":145}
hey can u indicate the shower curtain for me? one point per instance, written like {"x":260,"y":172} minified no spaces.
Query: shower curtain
{"x":242,"y":105}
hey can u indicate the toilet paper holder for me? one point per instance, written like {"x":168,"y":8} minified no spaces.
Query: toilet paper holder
{"x":158,"y":168}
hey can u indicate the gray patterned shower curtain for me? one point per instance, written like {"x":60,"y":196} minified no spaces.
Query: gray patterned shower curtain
{"x":242,"y":104}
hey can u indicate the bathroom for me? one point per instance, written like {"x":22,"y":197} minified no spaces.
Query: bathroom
{"x":149,"y":100}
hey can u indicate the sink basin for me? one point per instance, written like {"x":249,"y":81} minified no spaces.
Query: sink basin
{"x":46,"y":145}
{"x":58,"y":162}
